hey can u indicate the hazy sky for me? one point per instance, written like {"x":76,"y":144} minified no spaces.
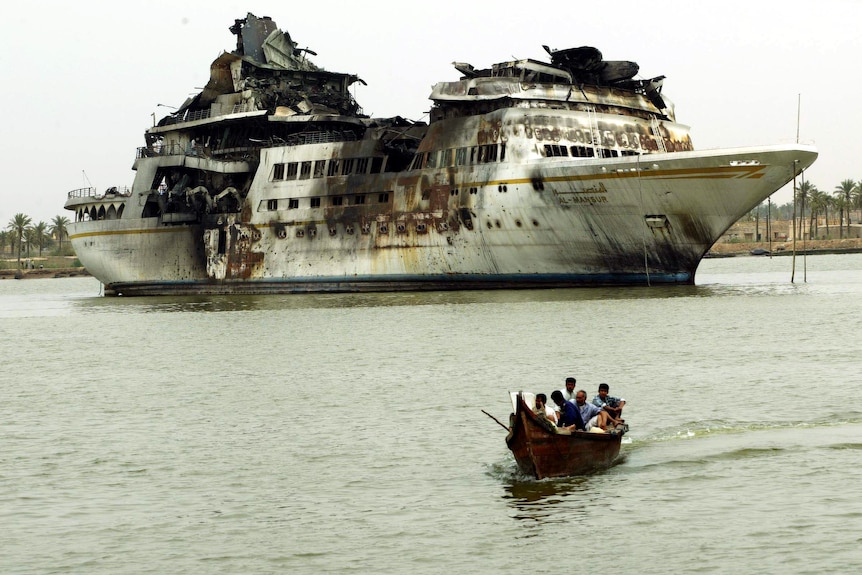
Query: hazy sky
{"x":82,"y":79}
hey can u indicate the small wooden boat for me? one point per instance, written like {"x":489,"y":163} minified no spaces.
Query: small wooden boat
{"x":540,"y":450}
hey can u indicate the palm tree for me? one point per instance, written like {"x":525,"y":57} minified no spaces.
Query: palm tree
{"x":819,"y":204}
{"x":856,"y":198}
{"x":40,"y":236}
{"x":17,"y":225}
{"x":803,"y":193}
{"x":58,"y":230}
{"x":843,"y":191}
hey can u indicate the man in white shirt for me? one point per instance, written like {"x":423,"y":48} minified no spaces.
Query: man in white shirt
{"x":569,"y":391}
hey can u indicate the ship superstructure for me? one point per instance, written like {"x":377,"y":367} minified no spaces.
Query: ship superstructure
{"x":528,"y":174}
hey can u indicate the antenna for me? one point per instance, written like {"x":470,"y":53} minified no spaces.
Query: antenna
{"x":86,"y":179}
{"x":798,"y":112}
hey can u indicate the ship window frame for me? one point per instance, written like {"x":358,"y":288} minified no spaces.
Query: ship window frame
{"x":556,"y":151}
{"x":334,"y":165}
{"x":292,"y":203}
{"x":461,"y":156}
{"x":272,"y":205}
{"x":383,"y":197}
{"x":376,"y":164}
{"x":292,"y":171}
{"x":278,"y":171}
{"x":347,"y":167}
{"x":431,"y":159}
{"x":416,"y":163}
{"x":337,"y":200}
{"x":358,"y":199}
{"x":446,"y":158}
{"x":487,"y":153}
{"x":314,"y":202}
{"x":361,"y":165}
{"x":305,"y":171}
{"x":582,"y":152}
{"x":319,"y":168}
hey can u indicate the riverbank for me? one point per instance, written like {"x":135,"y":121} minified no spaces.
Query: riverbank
{"x":843,"y":246}
{"x":43,"y":273}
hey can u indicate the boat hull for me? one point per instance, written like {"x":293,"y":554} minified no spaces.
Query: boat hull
{"x":542,"y":453}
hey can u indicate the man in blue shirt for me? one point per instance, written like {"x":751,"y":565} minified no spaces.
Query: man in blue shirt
{"x":570,"y":418}
{"x":613,"y":405}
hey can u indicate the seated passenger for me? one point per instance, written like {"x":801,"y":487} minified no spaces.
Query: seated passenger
{"x":545,"y":411}
{"x":569,"y":418}
{"x":613,"y":405}
{"x":593,"y":415}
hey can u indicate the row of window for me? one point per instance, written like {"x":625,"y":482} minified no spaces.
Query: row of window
{"x":360,"y":199}
{"x":559,"y":151}
{"x":319,"y":168}
{"x":355,"y":200}
{"x":483,"y":154}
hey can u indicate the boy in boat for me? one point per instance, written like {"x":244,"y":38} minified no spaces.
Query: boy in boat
{"x":593,"y":415}
{"x":545,"y":411}
{"x":613,"y":405}
{"x":570,"y":418}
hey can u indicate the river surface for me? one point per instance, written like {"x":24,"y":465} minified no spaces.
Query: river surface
{"x":344,"y":433}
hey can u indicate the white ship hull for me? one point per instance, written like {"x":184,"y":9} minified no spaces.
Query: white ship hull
{"x":615,"y":221}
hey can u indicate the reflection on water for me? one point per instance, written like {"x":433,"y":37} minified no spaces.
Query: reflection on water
{"x":730,"y":277}
{"x":229,"y":303}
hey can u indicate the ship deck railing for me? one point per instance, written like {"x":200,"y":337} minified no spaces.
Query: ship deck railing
{"x":195,"y":115}
{"x":91,"y":192}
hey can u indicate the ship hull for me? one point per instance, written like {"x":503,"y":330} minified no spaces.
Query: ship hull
{"x":645,"y":220}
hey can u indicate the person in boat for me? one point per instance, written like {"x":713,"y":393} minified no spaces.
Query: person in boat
{"x":569,"y":391}
{"x":569,"y":418}
{"x":593,"y":415}
{"x":613,"y":405}
{"x":545,"y":411}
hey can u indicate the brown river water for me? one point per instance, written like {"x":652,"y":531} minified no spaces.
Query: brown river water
{"x":344,"y":433}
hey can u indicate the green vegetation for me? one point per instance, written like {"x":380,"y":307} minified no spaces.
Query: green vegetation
{"x":24,"y":243}
{"x":813,"y":207}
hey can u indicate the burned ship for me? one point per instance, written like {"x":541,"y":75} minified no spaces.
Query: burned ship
{"x":553,"y":172}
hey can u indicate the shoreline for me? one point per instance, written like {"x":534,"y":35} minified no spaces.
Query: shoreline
{"x":43,"y":273}
{"x":808,"y":247}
